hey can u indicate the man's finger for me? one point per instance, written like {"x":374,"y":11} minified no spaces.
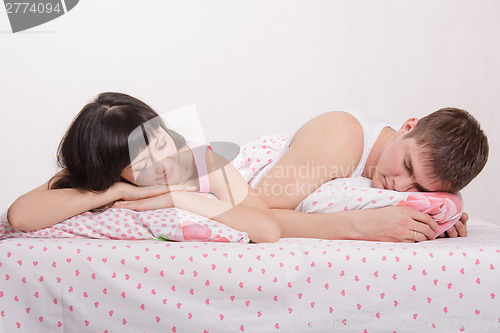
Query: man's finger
{"x":421,"y":237}
{"x":425,"y":219}
{"x":424,"y":230}
{"x":461,"y":228}
{"x":452,"y":232}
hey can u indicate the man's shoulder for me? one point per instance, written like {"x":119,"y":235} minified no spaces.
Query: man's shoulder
{"x":339,"y":115}
{"x":333,"y":125}
{"x":332,"y":138}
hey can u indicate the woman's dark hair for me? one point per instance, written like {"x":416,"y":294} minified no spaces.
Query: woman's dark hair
{"x":95,"y":148}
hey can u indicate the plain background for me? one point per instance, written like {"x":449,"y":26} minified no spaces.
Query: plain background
{"x":252,"y":68}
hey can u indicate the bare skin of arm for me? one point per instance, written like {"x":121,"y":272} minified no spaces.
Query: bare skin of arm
{"x":239,"y":206}
{"x":43,"y":207}
{"x":330,"y":146}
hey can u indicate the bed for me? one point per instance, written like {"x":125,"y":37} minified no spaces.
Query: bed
{"x":294,"y":285}
{"x":113,"y":272}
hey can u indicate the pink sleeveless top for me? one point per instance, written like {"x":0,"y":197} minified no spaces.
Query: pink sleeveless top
{"x":199,"y":151}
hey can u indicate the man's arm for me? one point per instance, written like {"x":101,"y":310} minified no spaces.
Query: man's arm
{"x":390,"y":224}
{"x":326,"y":147}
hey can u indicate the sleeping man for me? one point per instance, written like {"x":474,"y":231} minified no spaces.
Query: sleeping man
{"x":441,"y":152}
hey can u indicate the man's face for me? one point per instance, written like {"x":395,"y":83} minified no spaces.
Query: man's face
{"x":403,"y":166}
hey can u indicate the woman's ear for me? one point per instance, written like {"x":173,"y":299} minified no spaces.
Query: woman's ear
{"x":408,"y":126}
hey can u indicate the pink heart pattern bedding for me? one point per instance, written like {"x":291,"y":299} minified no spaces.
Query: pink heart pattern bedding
{"x":260,"y":155}
{"x":254,"y":158}
{"x":356,"y":193}
{"x":165,"y":224}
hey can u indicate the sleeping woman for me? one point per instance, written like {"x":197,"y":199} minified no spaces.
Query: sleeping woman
{"x":119,"y":153}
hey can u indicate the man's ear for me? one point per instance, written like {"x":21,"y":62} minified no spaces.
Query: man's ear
{"x":408,"y":126}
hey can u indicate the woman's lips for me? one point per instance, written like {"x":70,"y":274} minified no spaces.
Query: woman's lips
{"x":168,"y":174}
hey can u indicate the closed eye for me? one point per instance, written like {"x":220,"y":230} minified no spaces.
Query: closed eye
{"x":408,"y":168}
{"x":141,"y":168}
{"x":420,"y":188}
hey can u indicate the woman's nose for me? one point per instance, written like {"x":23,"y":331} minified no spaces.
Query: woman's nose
{"x":160,"y":166}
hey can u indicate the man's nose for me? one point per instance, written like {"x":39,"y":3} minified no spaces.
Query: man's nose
{"x":403,"y":184}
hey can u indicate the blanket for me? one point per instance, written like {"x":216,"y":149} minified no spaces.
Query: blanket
{"x":252,"y":162}
{"x":356,"y":193}
{"x":258,"y":156}
{"x":163,"y":224}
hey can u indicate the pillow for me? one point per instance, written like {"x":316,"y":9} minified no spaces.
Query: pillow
{"x":164,"y":224}
{"x":356,"y":193}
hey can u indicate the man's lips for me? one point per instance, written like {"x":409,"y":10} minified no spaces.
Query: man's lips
{"x":385,"y":184}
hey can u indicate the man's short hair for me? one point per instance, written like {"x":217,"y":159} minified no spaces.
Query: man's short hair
{"x":455,"y":145}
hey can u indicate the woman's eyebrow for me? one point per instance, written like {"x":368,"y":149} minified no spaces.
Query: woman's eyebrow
{"x":157,"y":138}
{"x":141,"y":160}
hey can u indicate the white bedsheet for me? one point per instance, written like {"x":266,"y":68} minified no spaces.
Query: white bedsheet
{"x":295,"y":285}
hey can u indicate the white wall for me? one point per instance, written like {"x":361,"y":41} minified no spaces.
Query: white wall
{"x":252,"y":68}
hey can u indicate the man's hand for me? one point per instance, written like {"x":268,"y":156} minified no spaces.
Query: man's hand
{"x":459,"y":229}
{"x":394,"y":224}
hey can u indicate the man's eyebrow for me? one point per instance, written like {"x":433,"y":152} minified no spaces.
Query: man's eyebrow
{"x":420,"y":187}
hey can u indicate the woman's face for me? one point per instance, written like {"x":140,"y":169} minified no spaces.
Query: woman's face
{"x":157,"y":164}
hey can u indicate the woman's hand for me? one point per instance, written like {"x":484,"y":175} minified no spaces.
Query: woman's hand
{"x":160,"y":201}
{"x":130,"y":192}
{"x":149,"y":198}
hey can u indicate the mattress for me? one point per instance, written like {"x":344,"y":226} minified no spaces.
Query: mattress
{"x":294,"y":285}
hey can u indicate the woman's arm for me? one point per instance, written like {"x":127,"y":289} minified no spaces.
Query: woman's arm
{"x":238,"y":207}
{"x":249,"y":215}
{"x":43,"y":207}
